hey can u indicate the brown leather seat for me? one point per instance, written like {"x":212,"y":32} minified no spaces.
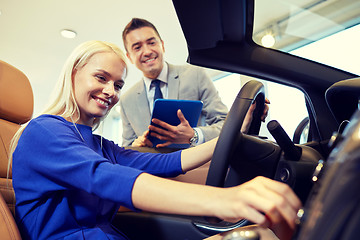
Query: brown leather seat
{"x":16,"y":108}
{"x":8,"y":228}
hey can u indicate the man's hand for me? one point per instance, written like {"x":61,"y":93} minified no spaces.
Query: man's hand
{"x":142,"y":141}
{"x":179,"y":134}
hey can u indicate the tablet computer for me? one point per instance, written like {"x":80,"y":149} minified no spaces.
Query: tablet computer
{"x":166,"y":110}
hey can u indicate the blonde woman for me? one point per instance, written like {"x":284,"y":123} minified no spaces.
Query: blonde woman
{"x":69,"y":182}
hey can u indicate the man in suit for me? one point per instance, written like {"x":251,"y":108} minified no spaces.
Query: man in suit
{"x":145,"y":48}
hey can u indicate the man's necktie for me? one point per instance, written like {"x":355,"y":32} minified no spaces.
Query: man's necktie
{"x":157,"y":93}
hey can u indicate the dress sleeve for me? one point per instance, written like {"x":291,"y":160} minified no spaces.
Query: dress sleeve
{"x":54,"y":158}
{"x":159,"y":164}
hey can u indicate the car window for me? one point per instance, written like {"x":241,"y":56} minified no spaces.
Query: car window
{"x":323,"y":31}
{"x":344,"y":54}
{"x":287,"y":104}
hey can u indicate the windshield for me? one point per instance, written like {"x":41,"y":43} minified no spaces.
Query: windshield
{"x":323,"y":31}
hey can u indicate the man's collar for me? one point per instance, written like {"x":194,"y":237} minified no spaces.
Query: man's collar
{"x":162,"y":76}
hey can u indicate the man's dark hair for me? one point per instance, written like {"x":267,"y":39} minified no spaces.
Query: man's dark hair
{"x":134,"y":24}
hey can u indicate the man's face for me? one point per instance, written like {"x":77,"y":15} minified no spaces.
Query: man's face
{"x":146,"y":50}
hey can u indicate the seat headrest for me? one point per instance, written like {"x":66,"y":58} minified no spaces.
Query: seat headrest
{"x":16,"y":96}
{"x":343,"y":98}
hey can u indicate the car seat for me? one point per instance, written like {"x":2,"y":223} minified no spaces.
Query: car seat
{"x":16,"y":108}
{"x":343,"y":98}
{"x":8,"y":228}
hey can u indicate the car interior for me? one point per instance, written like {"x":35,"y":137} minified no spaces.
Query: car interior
{"x":321,"y":171}
{"x":229,"y":46}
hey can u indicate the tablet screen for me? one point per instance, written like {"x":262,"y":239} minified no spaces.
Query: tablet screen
{"x":166,"y":110}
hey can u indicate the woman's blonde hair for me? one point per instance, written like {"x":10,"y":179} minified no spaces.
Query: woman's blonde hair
{"x":63,"y":101}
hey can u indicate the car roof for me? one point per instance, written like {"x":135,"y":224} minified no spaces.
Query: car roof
{"x":220,"y":35}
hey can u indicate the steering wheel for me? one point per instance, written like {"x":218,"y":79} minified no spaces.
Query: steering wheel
{"x":230,"y":133}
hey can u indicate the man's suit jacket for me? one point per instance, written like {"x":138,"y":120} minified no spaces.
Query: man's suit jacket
{"x":185,"y":82}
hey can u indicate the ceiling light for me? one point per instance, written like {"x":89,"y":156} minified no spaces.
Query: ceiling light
{"x":66,"y":33}
{"x":268,"y":40}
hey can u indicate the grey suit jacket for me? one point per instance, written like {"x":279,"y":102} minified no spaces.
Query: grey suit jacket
{"x":184,"y":82}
